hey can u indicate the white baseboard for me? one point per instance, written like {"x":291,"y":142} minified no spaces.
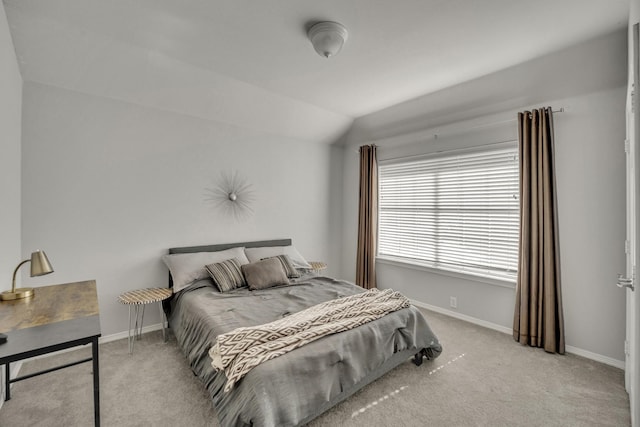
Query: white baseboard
{"x":125,"y":334}
{"x":464,"y":317}
{"x":569,"y":349}
{"x":595,"y":356}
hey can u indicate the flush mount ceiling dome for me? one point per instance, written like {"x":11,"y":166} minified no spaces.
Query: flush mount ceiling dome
{"x":327,"y":37}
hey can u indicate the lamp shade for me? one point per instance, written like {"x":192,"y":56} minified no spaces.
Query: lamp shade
{"x":40,"y":264}
{"x":327,"y":37}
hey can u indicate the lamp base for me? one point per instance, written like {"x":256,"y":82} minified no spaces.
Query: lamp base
{"x":19,"y":293}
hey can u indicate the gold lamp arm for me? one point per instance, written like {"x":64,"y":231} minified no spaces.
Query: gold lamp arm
{"x":40,"y":266}
{"x":13,"y":282}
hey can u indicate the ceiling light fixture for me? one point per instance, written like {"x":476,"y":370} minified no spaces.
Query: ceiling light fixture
{"x":327,"y":37}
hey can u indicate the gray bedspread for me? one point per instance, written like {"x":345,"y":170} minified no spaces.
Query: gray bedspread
{"x":296,"y":387}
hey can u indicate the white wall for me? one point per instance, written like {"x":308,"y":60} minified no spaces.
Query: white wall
{"x":10,"y":131}
{"x":108,"y":186}
{"x":588,"y":81}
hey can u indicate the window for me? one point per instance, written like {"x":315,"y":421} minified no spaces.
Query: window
{"x":455,"y":211}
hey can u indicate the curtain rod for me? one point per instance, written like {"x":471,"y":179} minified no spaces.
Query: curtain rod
{"x":452,"y":150}
{"x":483,"y":125}
{"x":435,"y":135}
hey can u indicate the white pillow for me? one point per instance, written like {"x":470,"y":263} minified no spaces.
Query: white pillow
{"x":256,"y":254}
{"x":187,"y":268}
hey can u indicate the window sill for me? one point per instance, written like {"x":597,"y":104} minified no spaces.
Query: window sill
{"x":469,"y":277}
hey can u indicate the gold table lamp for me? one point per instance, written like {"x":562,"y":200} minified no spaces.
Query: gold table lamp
{"x":39,"y":267}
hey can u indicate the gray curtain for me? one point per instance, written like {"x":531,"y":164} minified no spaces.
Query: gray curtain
{"x":367,"y":218}
{"x":538,"y":319}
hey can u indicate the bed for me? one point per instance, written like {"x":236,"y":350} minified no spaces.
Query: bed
{"x":296,"y":387}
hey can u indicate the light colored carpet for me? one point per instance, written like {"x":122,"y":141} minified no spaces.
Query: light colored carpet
{"x":482,"y":378}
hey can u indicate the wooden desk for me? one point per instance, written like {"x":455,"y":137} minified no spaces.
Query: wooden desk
{"x":57,"y":317}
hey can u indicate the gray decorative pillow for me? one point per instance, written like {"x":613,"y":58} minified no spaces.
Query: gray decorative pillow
{"x":227,"y":275}
{"x":287,"y":265}
{"x":265,"y":274}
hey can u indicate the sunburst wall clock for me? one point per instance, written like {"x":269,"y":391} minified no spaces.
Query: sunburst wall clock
{"x":233,"y":195}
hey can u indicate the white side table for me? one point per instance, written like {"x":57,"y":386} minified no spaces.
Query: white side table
{"x":140,"y":298}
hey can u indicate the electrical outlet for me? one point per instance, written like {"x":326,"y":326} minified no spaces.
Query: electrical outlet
{"x":453,"y":302}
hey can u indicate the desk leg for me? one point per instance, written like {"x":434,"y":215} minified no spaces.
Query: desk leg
{"x":96,"y":382}
{"x":7,"y":384}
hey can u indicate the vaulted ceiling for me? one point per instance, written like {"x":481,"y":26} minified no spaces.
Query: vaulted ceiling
{"x":147,"y":51}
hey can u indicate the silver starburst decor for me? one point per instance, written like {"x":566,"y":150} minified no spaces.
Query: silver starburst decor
{"x":232,"y":195}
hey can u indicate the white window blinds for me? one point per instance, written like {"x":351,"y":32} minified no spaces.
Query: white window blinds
{"x":456,"y":211}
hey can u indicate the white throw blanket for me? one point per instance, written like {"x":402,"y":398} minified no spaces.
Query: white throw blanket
{"x":240,"y":350}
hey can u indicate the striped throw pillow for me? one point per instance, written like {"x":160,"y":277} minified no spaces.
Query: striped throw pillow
{"x":227,"y":275}
{"x":287,"y":265}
